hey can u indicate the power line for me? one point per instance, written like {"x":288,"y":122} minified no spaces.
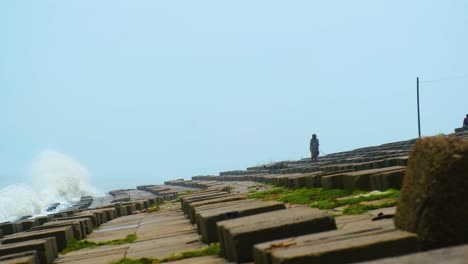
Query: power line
{"x":446,"y":79}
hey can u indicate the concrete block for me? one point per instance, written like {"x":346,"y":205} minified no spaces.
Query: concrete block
{"x":8,"y":228}
{"x":46,"y":249}
{"x":27,"y":257}
{"x":387,"y":180}
{"x":354,"y":248}
{"x":184,"y":201}
{"x":448,"y":255}
{"x":209,"y":218}
{"x":237,"y":236}
{"x":361,"y":179}
{"x":78,"y":231}
{"x":43,"y":219}
{"x":191,"y":206}
{"x":433,"y":198}
{"x":62,"y":236}
{"x":231,"y":204}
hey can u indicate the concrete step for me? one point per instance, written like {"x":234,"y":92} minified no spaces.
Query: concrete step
{"x":238,"y":236}
{"x":61,"y":234}
{"x":207,"y":219}
{"x":46,"y":249}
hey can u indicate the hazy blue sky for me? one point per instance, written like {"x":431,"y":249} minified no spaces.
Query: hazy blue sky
{"x":145,"y":91}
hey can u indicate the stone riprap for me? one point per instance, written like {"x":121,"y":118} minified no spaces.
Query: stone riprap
{"x":238,"y":236}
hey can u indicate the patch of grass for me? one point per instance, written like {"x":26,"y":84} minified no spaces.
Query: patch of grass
{"x":302,"y":195}
{"x":187,"y":192}
{"x":212,"y":250}
{"x":74,"y":245}
{"x":153,"y":208}
{"x":333,"y":203}
{"x":364,"y":208}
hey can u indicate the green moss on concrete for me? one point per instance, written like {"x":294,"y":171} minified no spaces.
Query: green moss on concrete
{"x":74,"y":245}
{"x":303,"y":195}
{"x":433,"y":197}
{"x":364,"y":208}
{"x":333,"y":203}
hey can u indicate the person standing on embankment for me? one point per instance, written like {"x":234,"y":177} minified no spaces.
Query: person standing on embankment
{"x":314,"y":147}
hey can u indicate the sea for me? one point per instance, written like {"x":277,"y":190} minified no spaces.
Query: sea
{"x":52,"y":177}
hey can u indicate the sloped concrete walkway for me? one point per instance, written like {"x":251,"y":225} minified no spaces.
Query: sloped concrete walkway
{"x":159,"y":235}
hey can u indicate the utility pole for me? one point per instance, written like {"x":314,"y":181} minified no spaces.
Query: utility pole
{"x":419,"y":116}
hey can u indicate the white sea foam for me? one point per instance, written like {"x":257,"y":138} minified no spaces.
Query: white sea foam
{"x":52,"y":177}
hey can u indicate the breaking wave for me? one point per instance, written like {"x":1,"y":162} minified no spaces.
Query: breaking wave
{"x":52,"y":177}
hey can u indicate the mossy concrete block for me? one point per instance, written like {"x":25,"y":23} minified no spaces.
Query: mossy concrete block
{"x":387,"y":180}
{"x":238,"y":236}
{"x":433,"y":198}
{"x":361,"y":179}
{"x":353,"y":248}
{"x":61,"y":234}
{"x":209,"y":218}
{"x":334,"y":181}
{"x":46,"y":249}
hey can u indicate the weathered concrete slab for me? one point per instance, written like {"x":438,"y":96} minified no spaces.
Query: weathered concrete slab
{"x":184,"y":201}
{"x":387,"y":180}
{"x":28,"y":224}
{"x":121,"y":210}
{"x":350,"y":227}
{"x":85,"y":223}
{"x":350,"y":250}
{"x":193,"y":205}
{"x":46,"y":249}
{"x":116,"y":229}
{"x":208,"y":218}
{"x":354,"y":180}
{"x":238,"y":236}
{"x":90,"y":216}
{"x":233,"y":204}
{"x":62,"y":236}
{"x":74,"y":224}
{"x":28,"y":257}
{"x":7,"y":228}
{"x":43,"y":219}
{"x":449,"y":255}
{"x":98,"y":255}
